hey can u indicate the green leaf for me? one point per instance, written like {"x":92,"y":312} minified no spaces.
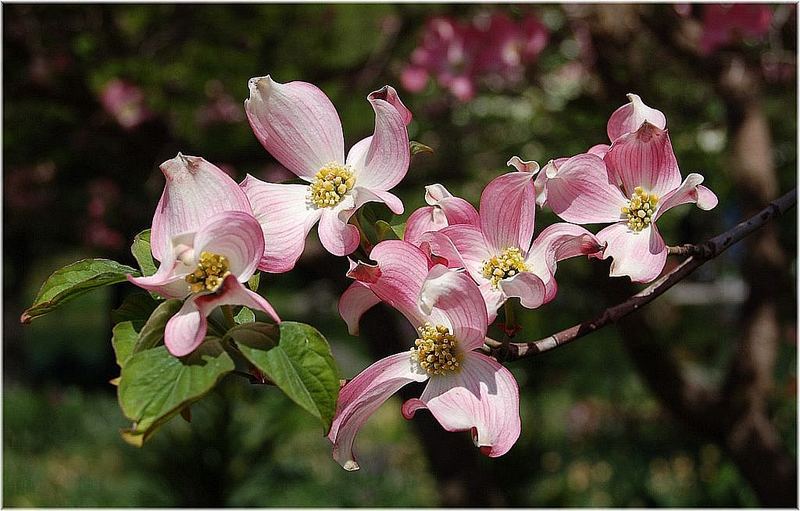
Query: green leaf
{"x":298,"y":359}
{"x":143,"y":254}
{"x":74,"y":280}
{"x":253,"y":282}
{"x":153,"y":331}
{"x":155,"y":386}
{"x":369,"y":216}
{"x":123,"y":339}
{"x":244,"y":316}
{"x":418,"y":148}
{"x":385,"y":231}
{"x":136,"y":307}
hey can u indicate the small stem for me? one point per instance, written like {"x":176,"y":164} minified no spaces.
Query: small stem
{"x":511,"y":324}
{"x":227,"y":311}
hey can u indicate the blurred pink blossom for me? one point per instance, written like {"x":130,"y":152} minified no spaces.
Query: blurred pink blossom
{"x":125,"y":102}
{"x":724,"y":24}
{"x":103,"y":192}
{"x":460,"y":54}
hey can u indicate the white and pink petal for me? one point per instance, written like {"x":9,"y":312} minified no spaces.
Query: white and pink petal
{"x":638,"y":255}
{"x":483,"y":397}
{"x":296,"y":123}
{"x":363,"y":395}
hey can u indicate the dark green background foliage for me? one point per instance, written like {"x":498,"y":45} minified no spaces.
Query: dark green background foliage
{"x":594,"y":431}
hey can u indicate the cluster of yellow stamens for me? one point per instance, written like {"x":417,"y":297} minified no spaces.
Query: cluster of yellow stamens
{"x":210,"y":272}
{"x":640,"y":209}
{"x":507,"y":264}
{"x":435,"y":350}
{"x":330,"y":184}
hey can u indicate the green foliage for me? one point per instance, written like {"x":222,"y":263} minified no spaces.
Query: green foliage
{"x":297,"y":359}
{"x":143,"y":254}
{"x":244,"y":316}
{"x":136,"y":307}
{"x":155,"y":385}
{"x":419,"y":148}
{"x":74,"y":280}
{"x":123,"y":340}
{"x":153,"y":331}
{"x":254,"y":281}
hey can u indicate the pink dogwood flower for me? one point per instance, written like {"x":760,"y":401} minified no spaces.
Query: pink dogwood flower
{"x":208,"y":243}
{"x":498,"y":253}
{"x":465,"y":390}
{"x":725,"y":24}
{"x":298,"y":125}
{"x":635,"y":182}
{"x":443,"y":209}
{"x":125,"y":102}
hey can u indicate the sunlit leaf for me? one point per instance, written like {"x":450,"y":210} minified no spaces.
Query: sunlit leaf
{"x":244,"y":316}
{"x":418,"y":148}
{"x":74,"y":280}
{"x":142,"y":253}
{"x":155,"y":385}
{"x":123,"y":340}
{"x":153,"y":330}
{"x":297,"y":359}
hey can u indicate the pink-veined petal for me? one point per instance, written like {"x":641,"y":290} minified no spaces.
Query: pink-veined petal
{"x":165,"y":281}
{"x":235,"y":235}
{"x":364,"y":195}
{"x":354,"y":302}
{"x":389,"y":94}
{"x":493,"y":297}
{"x":578,"y":191}
{"x":422,"y":220}
{"x":540,"y":182}
{"x":387,"y":158}
{"x":644,"y":158}
{"x":641,"y":256}
{"x":558,"y":242}
{"x":467,"y":244}
{"x":397,"y":279}
{"x":508,"y":206}
{"x":195,"y":190}
{"x":357,"y":155}
{"x":296,"y":123}
{"x":527,"y":286}
{"x":337,"y":236}
{"x":362,"y":396}
{"x":456,"y":210}
{"x":186,"y":329}
{"x":690,"y":191}
{"x":523,"y":166}
{"x":599,"y":150}
{"x":460,"y":301}
{"x":482,"y":397}
{"x":285,"y":216}
{"x":629,"y":118}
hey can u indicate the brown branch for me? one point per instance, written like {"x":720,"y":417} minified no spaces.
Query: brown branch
{"x":700,"y":255}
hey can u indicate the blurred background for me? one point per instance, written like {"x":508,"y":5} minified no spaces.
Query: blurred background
{"x":691,"y":402}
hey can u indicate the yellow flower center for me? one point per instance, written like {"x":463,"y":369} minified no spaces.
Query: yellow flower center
{"x":330,"y":184}
{"x":509,"y":263}
{"x":640,"y":209}
{"x":210,"y":272}
{"x":435,"y":349}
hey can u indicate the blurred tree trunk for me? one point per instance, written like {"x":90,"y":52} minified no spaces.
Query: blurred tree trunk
{"x":734,"y":415}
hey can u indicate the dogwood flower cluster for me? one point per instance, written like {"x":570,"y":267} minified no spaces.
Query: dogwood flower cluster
{"x":453,"y":269}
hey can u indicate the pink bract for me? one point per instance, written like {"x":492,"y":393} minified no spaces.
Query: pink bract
{"x":480,"y":395}
{"x":724,"y":24}
{"x":443,"y":209}
{"x":604,"y":187}
{"x":299,"y":126}
{"x":506,"y":228}
{"x":202,"y":211}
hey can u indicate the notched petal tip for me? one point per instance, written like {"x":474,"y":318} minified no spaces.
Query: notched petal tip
{"x":351,"y":466}
{"x":260,"y":86}
{"x":181,"y":164}
{"x":389,"y":94}
{"x":363,"y":272}
{"x":522,"y":165}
